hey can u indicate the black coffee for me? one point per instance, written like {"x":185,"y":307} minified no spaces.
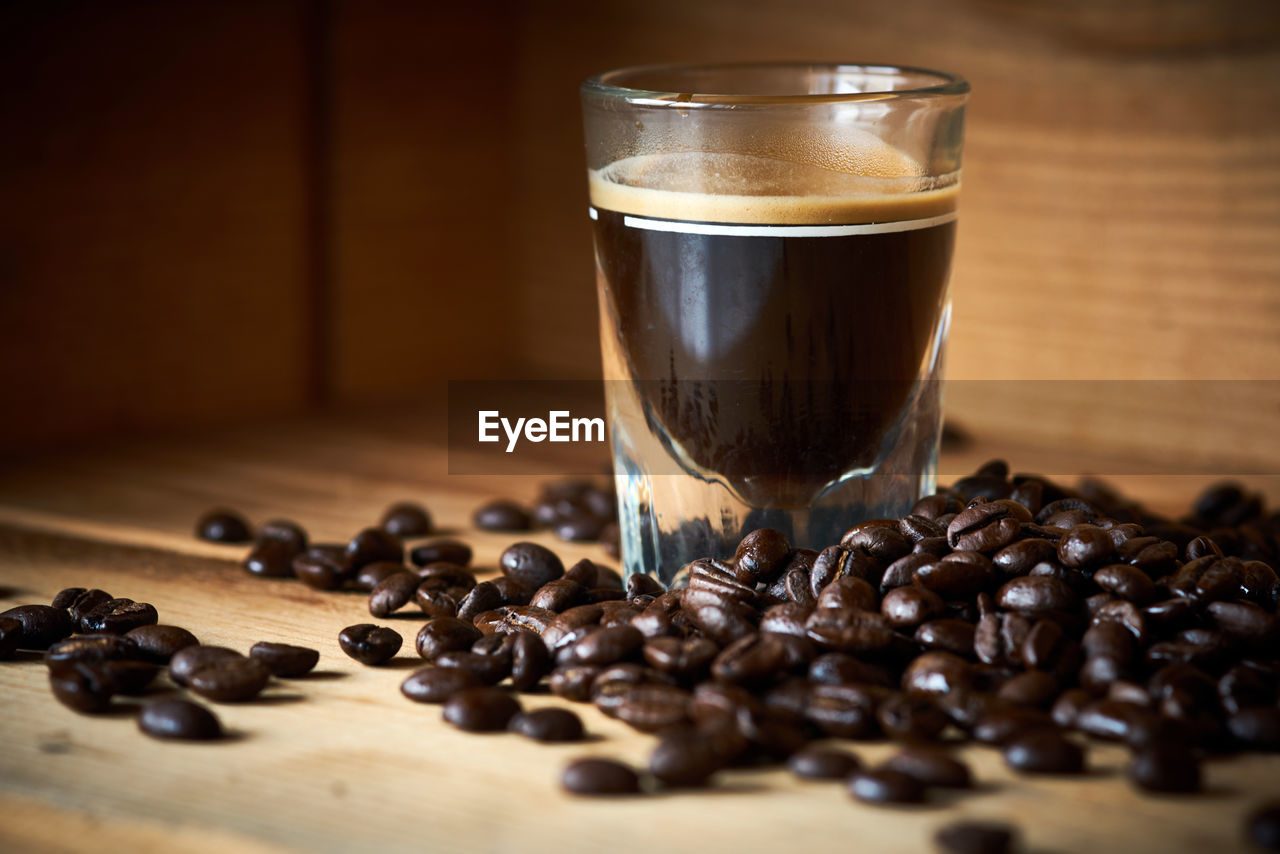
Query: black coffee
{"x":773,"y":347}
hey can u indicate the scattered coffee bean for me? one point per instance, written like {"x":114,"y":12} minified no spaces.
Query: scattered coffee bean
{"x":372,"y":545}
{"x":230,"y":680}
{"x":531,"y":565}
{"x":42,"y":625}
{"x":1165,"y":767}
{"x":502,"y":516}
{"x":438,"y":684}
{"x":886,"y":786}
{"x":548,"y":725}
{"x":91,"y":649}
{"x":223,"y":526}
{"x":186,"y":661}
{"x":82,"y":686}
{"x":1044,"y":751}
{"x":323,"y":567}
{"x":406,"y":519}
{"x":285,"y":660}
{"x":175,"y":719}
{"x":393,"y":593}
{"x":599,"y":777}
{"x":10,"y":637}
{"x":975,"y":837}
{"x":370,"y":644}
{"x":118,"y":616}
{"x":932,"y":768}
{"x":481,"y":709}
{"x":823,"y":763}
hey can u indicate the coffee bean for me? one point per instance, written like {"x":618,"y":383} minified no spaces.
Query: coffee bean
{"x":91,"y":649}
{"x":1263,"y":826}
{"x":502,"y":515}
{"x":531,"y":565}
{"x":186,"y":661}
{"x":1001,"y":724}
{"x":844,"y":711}
{"x":685,"y":757}
{"x":323,"y":567}
{"x":406,"y":519}
{"x":481,"y":709}
{"x":117,"y":616}
{"x":86,"y":602}
{"x":1018,"y":558}
{"x":66,"y":597}
{"x":988,"y":526}
{"x":170,"y":718}
{"x":640,"y":584}
{"x":648,"y":708}
{"x":285,"y":660}
{"x":438,"y":684}
{"x":285,"y":531}
{"x":936,"y":673}
{"x":223,"y":526}
{"x":761,"y":555}
{"x":1030,"y":688}
{"x":1127,"y":582}
{"x":1257,"y":728}
{"x":393,"y":593}
{"x":372,"y":545}
{"x":958,"y":575}
{"x":131,"y":678}
{"x":530,"y":661}
{"x":489,"y":669}
{"x":1035,"y":594}
{"x":820,"y":763}
{"x":885,"y":786}
{"x":559,"y":595}
{"x":931,"y":768}
{"x":445,"y":634}
{"x":10,"y":637}
{"x":975,"y":837}
{"x":549,"y":725}
{"x":83,"y":686}
{"x":909,"y":717}
{"x":1084,"y":546}
{"x":908,"y":607}
{"x":441,"y":551}
{"x":230,"y":680}
{"x":42,"y":625}
{"x":271,"y":559}
{"x":599,"y":777}
{"x":370,"y":644}
{"x":1165,"y":767}
{"x":1044,"y":751}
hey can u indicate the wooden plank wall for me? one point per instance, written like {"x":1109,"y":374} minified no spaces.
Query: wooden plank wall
{"x":1119,"y":217}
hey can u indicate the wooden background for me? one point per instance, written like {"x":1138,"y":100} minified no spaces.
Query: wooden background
{"x":217,"y":211}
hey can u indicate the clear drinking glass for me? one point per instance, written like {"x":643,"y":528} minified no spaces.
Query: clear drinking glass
{"x":773,"y":246}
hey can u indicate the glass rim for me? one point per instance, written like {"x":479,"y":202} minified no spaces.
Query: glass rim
{"x":605,"y":85}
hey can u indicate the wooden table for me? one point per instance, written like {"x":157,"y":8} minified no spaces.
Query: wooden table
{"x":341,"y":762}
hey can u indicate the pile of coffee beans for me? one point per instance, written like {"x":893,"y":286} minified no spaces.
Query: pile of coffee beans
{"x":576,"y":510}
{"x":99,"y":648}
{"x":1007,"y":610}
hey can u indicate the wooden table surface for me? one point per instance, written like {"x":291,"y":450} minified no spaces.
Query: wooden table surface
{"x":340,"y":761}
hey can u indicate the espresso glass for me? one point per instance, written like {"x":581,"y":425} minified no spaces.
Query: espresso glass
{"x":773,"y":245}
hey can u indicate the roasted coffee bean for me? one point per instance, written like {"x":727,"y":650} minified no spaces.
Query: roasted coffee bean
{"x":86,"y":602}
{"x":130,"y":677}
{"x":1245,"y":622}
{"x":502,"y":515}
{"x":1085,"y":546}
{"x":916,"y":528}
{"x":436,"y":603}
{"x":372,"y":545}
{"x":1125,"y":614}
{"x":772,"y":734}
{"x":1263,"y":826}
{"x":441,"y":551}
{"x":42,"y":625}
{"x":489,"y":669}
{"x":975,"y":837}
{"x":230,"y":680}
{"x":1001,"y":724}
{"x":1018,"y":558}
{"x":683,"y":658}
{"x":1067,"y":708}
{"x":908,"y":607}
{"x":987,"y":527}
{"x":117,"y":616}
{"x":845,"y":593}
{"x":1127,"y":582}
{"x":823,"y":763}
{"x":393,"y":593}
{"x":1044,"y":751}
{"x":844,"y":711}
{"x":406,"y":519}
{"x":958,"y":575}
{"x":271,"y":559}
{"x":481,"y":709}
{"x":483,"y":597}
{"x":885,"y":786}
{"x":530,"y":661}
{"x":788,"y":618}
{"x":937,"y":673}
{"x":175,"y":719}
{"x":999,"y":638}
{"x":66,"y":597}
{"x":549,"y":725}
{"x":285,"y":531}
{"x":10,"y":637}
{"x":374,"y":645}
{"x":531,"y":564}
{"x":1036,"y":594}
{"x":650,"y":708}
{"x":1030,"y":688}
{"x":371,"y":575}
{"x":909,"y":717}
{"x":438,"y":684}
{"x":599,"y":777}
{"x":685,"y":757}
{"x":1044,"y":645}
{"x":931,"y":768}
{"x":445,"y":634}
{"x":1257,"y":727}
{"x":91,"y":649}
{"x":608,"y":645}
{"x":878,"y":539}
{"x":82,"y":686}
{"x":223,"y":526}
{"x":559,"y":595}
{"x":1165,"y":767}
{"x":323,"y":567}
{"x":574,"y":682}
{"x":640,"y":584}
{"x":189,"y":659}
{"x":761,"y":556}
{"x":285,"y":660}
